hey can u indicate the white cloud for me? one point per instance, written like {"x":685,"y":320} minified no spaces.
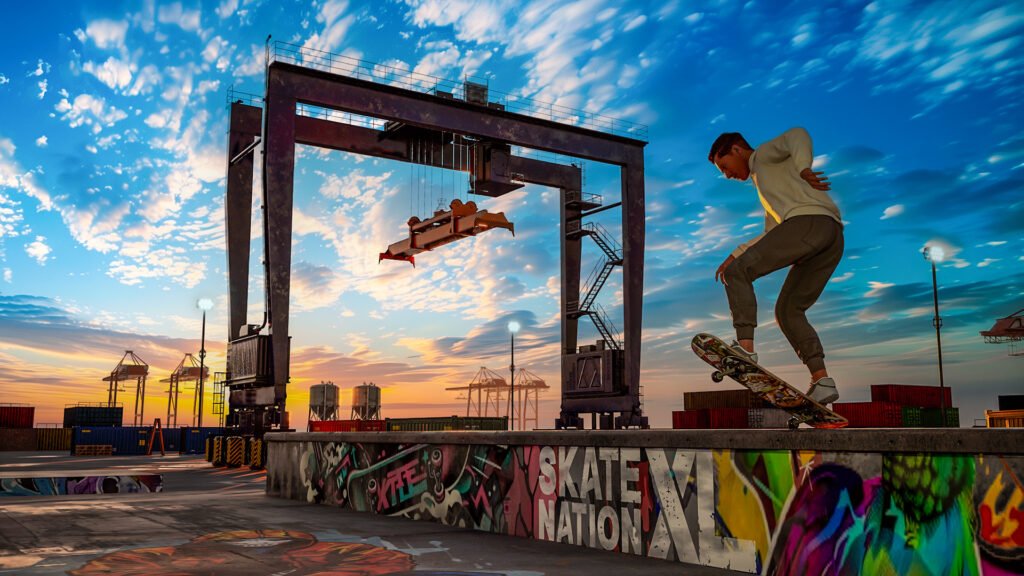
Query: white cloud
{"x":635,"y":23}
{"x":987,"y":262}
{"x":842,"y":278}
{"x":38,"y":250}
{"x":42,"y":88}
{"x":41,"y":68}
{"x":473,"y":21}
{"x":892,"y":211}
{"x":188,"y":20}
{"x":169,"y":262}
{"x":12,"y":176}
{"x":227,"y":8}
{"x":4,"y":80}
{"x":115,"y":73}
{"x":694,"y":18}
{"x":218,"y":52}
{"x":8,"y":275}
{"x":41,"y":141}
{"x":941,"y":47}
{"x":89,"y":110}
{"x":877,"y":288}
{"x":335,"y":25}
{"x":105,"y":34}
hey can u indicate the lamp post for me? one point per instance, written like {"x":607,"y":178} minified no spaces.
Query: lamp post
{"x":513,"y":327}
{"x":203,"y":304}
{"x":935,"y":254}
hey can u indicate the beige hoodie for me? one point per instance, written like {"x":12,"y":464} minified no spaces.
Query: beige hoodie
{"x":775,"y":168}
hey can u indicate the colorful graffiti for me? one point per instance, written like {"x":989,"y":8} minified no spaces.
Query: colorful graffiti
{"x":261,"y":552}
{"x":770,"y":512}
{"x":80,"y":485}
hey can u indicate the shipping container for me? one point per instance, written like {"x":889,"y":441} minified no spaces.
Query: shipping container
{"x":125,"y":440}
{"x":17,"y":415}
{"x":932,"y":417}
{"x":870,"y":414}
{"x":912,"y":416}
{"x":92,"y":415}
{"x":1011,"y":402}
{"x":690,"y":419}
{"x":1004,"y":418}
{"x":193,"y":440}
{"x":767,"y":418}
{"x":904,"y":395}
{"x":17,"y":439}
{"x":347,"y":426}
{"x":53,"y":439}
{"x":446,"y":423}
{"x":727,"y":418}
{"x":731,"y":398}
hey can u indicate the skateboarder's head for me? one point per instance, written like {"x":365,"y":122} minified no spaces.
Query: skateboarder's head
{"x":730,"y":154}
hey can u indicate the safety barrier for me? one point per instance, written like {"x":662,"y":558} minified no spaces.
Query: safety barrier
{"x":236,"y":445}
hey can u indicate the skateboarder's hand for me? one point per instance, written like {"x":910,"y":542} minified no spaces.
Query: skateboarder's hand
{"x":817,"y":180}
{"x":720,"y":273}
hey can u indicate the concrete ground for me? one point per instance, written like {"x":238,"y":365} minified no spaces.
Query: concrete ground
{"x":219,"y":521}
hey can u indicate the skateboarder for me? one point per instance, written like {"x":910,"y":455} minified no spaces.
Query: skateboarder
{"x":802,"y":229}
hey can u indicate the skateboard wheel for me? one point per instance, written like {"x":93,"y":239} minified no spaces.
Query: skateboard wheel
{"x":717,"y":376}
{"x":794,"y":423}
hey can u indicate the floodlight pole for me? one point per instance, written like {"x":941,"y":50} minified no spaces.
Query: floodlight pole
{"x":202,"y":370}
{"x":937,"y":322}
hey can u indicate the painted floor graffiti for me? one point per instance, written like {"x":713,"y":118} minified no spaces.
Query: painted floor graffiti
{"x":243,"y":532}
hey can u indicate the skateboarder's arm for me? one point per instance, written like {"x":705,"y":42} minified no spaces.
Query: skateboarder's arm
{"x":769,"y":223}
{"x":794,"y":143}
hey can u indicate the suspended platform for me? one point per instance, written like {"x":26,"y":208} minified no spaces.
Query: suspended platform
{"x":461,"y":221}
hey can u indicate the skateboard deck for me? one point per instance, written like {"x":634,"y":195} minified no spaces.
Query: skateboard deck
{"x":771,"y":388}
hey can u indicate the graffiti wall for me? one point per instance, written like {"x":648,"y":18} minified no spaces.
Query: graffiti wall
{"x":771,"y":512}
{"x":80,"y":485}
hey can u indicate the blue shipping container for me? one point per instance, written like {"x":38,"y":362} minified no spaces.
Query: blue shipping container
{"x":125,"y":440}
{"x":193,"y":440}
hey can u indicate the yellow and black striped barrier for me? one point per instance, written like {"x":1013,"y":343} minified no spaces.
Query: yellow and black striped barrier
{"x":218,"y":451}
{"x":256,"y":454}
{"x":209,"y":448}
{"x":236,"y":445}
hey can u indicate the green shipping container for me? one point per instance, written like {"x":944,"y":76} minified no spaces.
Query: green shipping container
{"x":912,"y":417}
{"x":932,"y":417}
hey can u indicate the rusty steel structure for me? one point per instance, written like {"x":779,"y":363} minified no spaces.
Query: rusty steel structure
{"x":1008,"y":330}
{"x":386,"y":115}
{"x":129,"y":368}
{"x":489,"y":387}
{"x":186,"y":372}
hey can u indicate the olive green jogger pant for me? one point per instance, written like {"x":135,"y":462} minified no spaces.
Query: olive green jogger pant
{"x":813,"y":246}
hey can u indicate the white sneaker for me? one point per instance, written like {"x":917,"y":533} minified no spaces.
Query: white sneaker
{"x":824,"y":391}
{"x":752,"y":356}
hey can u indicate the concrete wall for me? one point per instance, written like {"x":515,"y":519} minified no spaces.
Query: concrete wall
{"x":805,"y":502}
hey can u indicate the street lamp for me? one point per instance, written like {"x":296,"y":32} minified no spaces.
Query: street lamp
{"x":203,"y":304}
{"x":935,"y":254}
{"x":513,"y":327}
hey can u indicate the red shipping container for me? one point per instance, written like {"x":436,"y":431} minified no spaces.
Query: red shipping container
{"x":870,"y":414}
{"x":727,"y":418}
{"x":17,"y":415}
{"x":346,"y":426}
{"x":917,"y":396}
{"x":690,"y":419}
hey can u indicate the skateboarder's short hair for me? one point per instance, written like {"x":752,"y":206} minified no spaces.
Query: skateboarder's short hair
{"x":726,"y":141}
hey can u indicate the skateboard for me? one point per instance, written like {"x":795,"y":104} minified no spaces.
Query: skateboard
{"x":774,"y":390}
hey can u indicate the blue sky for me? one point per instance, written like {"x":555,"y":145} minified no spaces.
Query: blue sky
{"x":112,"y":162}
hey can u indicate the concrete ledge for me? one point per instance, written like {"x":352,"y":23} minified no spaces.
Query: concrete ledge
{"x":1002,"y":441}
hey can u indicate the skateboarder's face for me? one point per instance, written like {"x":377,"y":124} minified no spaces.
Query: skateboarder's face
{"x":732,"y":164}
